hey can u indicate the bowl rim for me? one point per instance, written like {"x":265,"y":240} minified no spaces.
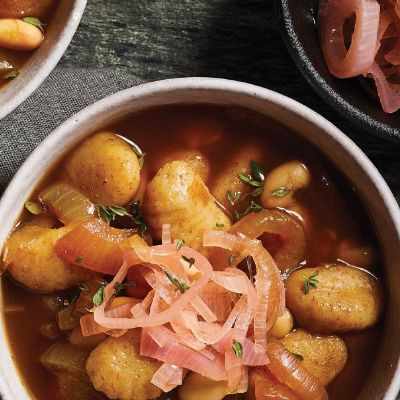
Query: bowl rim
{"x":195,"y":88}
{"x":30,"y":80}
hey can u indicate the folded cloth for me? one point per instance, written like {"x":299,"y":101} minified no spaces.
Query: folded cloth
{"x":65,"y":92}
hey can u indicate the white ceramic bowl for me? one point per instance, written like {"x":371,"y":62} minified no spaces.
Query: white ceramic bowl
{"x":384,"y":381}
{"x":58,"y":35}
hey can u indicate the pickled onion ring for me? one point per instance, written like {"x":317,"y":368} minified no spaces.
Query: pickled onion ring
{"x":341,"y":62}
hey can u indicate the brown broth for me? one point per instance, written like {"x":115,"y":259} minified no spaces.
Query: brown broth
{"x":219,"y":134}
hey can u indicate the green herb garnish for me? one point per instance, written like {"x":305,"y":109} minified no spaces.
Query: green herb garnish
{"x":81,"y":287}
{"x":138,"y":151}
{"x":120,"y":211}
{"x":257,"y":171}
{"x":231,"y":258}
{"x":137,"y":216}
{"x":249,"y":180}
{"x":237,"y":348}
{"x":105,"y":214}
{"x":233,"y":198}
{"x":219,"y":225}
{"x":34,"y":208}
{"x":11,"y":75}
{"x":252,"y":208}
{"x":180,"y":244}
{"x":256,"y":180}
{"x":281,"y":192}
{"x":33,"y":21}
{"x":310,"y":281}
{"x":111,"y":213}
{"x":118,"y":286}
{"x":178,"y":284}
{"x":98,"y":298}
{"x":190,"y":260}
{"x":79,"y":260}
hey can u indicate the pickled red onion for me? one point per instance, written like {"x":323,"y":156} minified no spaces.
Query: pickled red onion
{"x":180,"y":327}
{"x":375,"y":45}
{"x":358,"y":58}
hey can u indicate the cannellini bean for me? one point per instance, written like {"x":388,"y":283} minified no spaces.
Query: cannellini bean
{"x":282,"y":184}
{"x":283,"y":325}
{"x":323,"y":355}
{"x":17,"y":34}
{"x":196,"y":386}
{"x":345,"y":298}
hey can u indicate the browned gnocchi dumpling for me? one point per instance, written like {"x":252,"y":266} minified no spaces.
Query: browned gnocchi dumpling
{"x":323,"y":355}
{"x":31,"y":260}
{"x":104,"y":168}
{"x":178,"y":196}
{"x":345,"y":298}
{"x":117,"y":369}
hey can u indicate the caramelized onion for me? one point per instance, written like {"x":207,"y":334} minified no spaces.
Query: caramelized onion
{"x":67,"y":203}
{"x":291,"y":253}
{"x":290,"y":371}
{"x":64,"y":357}
{"x":94,"y":245}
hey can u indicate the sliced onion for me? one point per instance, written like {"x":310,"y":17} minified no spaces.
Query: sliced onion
{"x":341,"y":62}
{"x":64,"y":357}
{"x":67,"y":203}
{"x":290,"y":371}
{"x":389,"y":94}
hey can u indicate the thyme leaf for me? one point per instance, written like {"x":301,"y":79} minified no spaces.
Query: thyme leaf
{"x":280,"y":192}
{"x":139,"y":153}
{"x":233,"y":198}
{"x":118,"y":286}
{"x":310,"y":281}
{"x":190,"y":260}
{"x":33,"y":21}
{"x":178,"y":284}
{"x":252,"y":208}
{"x":34,"y":208}
{"x":237,"y":348}
{"x":180,"y":244}
{"x":98,"y":298}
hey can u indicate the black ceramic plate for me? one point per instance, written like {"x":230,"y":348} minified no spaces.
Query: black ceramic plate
{"x":297,"y":22}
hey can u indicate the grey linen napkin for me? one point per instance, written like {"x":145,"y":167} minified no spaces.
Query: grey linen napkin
{"x":65,"y":92}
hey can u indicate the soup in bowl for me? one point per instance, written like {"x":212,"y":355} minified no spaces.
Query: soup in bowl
{"x":33,"y":37}
{"x":198,"y":238}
